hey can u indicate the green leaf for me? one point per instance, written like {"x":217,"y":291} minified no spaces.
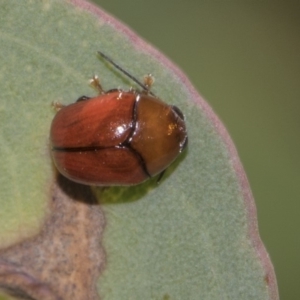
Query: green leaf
{"x":192,"y":236}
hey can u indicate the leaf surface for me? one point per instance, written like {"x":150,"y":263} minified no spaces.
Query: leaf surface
{"x":193,"y":236}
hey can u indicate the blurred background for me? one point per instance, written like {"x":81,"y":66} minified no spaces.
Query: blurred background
{"x":243,"y":56}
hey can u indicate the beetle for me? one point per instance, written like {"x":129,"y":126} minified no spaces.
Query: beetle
{"x":118,"y":137}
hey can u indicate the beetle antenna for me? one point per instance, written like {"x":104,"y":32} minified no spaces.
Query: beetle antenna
{"x":125,"y":72}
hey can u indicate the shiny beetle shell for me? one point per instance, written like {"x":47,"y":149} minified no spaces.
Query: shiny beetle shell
{"x":116,"y":138}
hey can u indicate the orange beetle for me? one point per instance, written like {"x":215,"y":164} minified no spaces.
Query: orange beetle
{"x":117,"y":138}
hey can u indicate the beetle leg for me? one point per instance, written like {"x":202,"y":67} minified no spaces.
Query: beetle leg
{"x":95,"y":83}
{"x":57,"y":105}
{"x":148,"y":82}
{"x":83,"y":98}
{"x":160,"y":176}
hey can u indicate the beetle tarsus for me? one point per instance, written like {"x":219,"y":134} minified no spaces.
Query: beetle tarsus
{"x":95,"y":83}
{"x":148,"y":82}
{"x":57,"y":105}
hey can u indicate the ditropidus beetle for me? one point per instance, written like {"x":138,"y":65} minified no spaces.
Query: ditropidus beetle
{"x":118,"y":137}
